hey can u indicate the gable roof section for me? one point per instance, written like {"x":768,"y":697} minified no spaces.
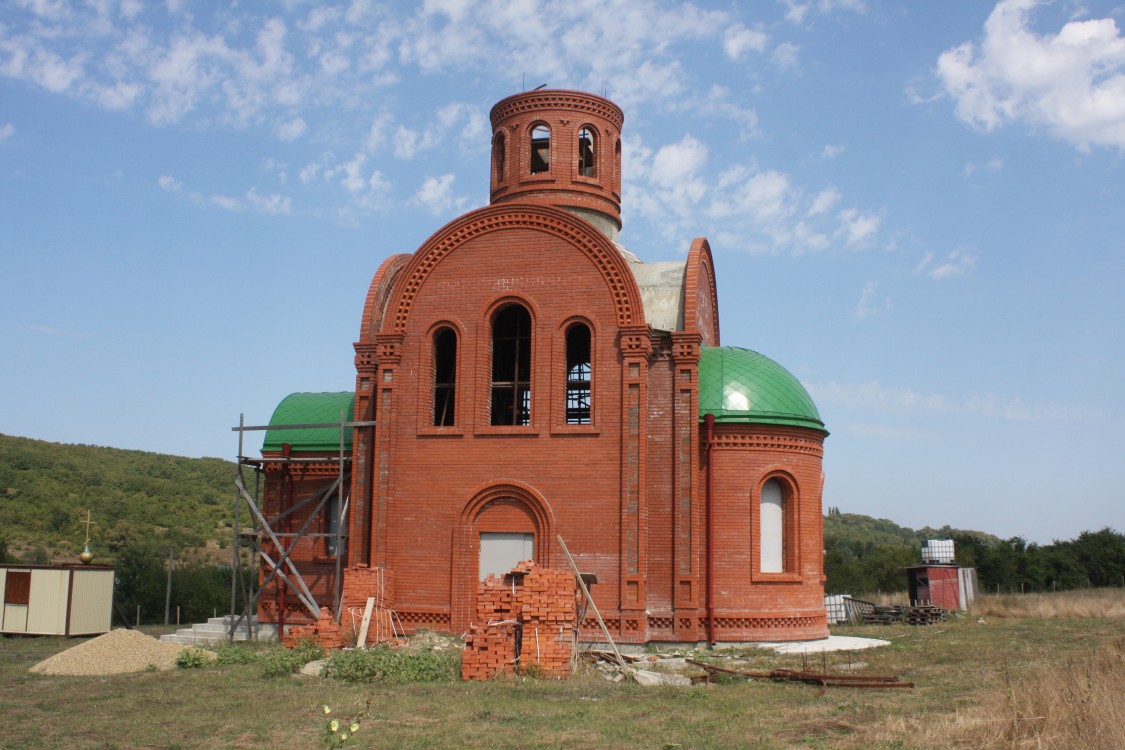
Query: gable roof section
{"x":311,"y":408}
{"x":742,"y":386}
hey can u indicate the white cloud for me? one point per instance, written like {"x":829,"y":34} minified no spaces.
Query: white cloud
{"x":824,"y":201}
{"x":436,"y":195}
{"x":1070,"y":83}
{"x":169,"y":183}
{"x":796,"y":12}
{"x":785,"y":54}
{"x":230,"y":204}
{"x":831,"y":151}
{"x":868,"y":304}
{"x":678,"y":163}
{"x":856,"y":228}
{"x":957,"y":263}
{"x":992,"y":165}
{"x":291,"y":130}
{"x":738,"y":41}
{"x":273,"y":204}
{"x":7,"y":130}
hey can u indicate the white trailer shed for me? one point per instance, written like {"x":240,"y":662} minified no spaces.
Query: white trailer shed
{"x":56,"y":599}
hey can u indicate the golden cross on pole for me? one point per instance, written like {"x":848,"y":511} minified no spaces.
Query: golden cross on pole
{"x":87,"y":556}
{"x":88,"y":523}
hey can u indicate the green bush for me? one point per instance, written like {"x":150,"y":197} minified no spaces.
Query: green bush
{"x":192,"y":658}
{"x":236,"y":653}
{"x":387,"y":664}
{"x":281,"y":662}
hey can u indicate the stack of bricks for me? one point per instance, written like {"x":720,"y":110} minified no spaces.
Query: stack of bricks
{"x":549,"y":617}
{"x":360,"y":583}
{"x":326,"y":632}
{"x":532,"y":611}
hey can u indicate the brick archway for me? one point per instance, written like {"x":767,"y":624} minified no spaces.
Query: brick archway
{"x":505,"y":506}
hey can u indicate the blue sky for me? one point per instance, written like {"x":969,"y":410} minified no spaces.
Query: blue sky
{"x":918,"y":208}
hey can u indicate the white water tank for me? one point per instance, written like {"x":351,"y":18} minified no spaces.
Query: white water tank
{"x":938,"y":551}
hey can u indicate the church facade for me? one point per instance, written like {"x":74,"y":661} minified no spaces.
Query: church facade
{"x":522,"y":377}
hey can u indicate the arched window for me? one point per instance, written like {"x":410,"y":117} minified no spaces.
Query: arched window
{"x":445,"y":377}
{"x":586,"y":161}
{"x":511,"y":366}
{"x":540,"y":149}
{"x":579,"y":374}
{"x":617,"y":165}
{"x":499,"y":155}
{"x":771,"y":530}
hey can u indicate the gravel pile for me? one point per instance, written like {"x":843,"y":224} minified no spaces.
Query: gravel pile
{"x":115,"y":652}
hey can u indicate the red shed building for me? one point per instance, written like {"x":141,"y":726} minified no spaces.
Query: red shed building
{"x":522,"y":376}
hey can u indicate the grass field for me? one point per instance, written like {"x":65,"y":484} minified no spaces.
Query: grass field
{"x":1018,"y":672}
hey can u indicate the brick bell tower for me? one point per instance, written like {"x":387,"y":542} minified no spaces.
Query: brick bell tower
{"x":562,"y":149}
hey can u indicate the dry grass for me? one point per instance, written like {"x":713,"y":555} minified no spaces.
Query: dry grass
{"x":1078,"y":705}
{"x":1081,"y":603}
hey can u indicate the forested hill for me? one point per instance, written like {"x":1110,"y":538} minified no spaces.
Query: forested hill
{"x":152,"y":501}
{"x":865,"y":555}
{"x":46,"y":489}
{"x":855,"y":530}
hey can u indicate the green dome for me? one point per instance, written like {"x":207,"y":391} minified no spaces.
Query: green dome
{"x":738,"y":385}
{"x":311,"y":408}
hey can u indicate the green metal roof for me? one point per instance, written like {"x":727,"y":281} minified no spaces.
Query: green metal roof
{"x":738,"y":385}
{"x":311,"y":408}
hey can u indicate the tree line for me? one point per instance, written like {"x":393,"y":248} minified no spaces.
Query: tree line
{"x":864,"y":555}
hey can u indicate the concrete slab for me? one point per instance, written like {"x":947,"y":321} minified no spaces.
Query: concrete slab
{"x":831,"y":643}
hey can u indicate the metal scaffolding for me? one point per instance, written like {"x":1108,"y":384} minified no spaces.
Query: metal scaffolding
{"x":267,"y":528}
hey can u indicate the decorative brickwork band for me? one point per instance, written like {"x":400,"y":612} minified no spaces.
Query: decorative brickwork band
{"x":554,"y":221}
{"x":577,"y":101}
{"x":759,"y":442}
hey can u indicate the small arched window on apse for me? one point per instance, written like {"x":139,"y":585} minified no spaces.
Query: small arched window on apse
{"x":771,"y":528}
{"x":540,"y":149}
{"x":617,"y":164}
{"x":499,"y":155}
{"x":579,"y":375}
{"x":587,"y":164}
{"x":511,"y":366}
{"x":445,"y":377}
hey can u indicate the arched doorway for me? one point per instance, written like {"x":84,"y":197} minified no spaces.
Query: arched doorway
{"x":503,"y":524}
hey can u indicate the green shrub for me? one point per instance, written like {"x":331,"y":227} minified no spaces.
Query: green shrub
{"x":192,"y":658}
{"x":279,"y":661}
{"x":387,"y":664}
{"x":236,"y":653}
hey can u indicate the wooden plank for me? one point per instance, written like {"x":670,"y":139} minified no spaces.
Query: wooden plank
{"x":361,"y":641}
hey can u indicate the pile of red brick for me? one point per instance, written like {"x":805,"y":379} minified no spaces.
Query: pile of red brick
{"x":326,"y":632}
{"x":525,"y":623}
{"x":360,"y":583}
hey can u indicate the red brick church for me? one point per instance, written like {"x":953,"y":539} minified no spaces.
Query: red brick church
{"x":523,"y":376}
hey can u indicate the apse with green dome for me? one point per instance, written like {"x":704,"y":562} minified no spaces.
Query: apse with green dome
{"x":311,"y":408}
{"x":742,"y":386}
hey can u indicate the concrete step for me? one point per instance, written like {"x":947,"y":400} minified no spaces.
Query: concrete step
{"x":216,"y":630}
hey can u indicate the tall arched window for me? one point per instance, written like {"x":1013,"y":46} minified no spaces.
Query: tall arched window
{"x":445,"y":377}
{"x":617,"y":165}
{"x":579,"y":374}
{"x":540,"y":149}
{"x":586,"y":161}
{"x":771,"y":529}
{"x":499,"y":156}
{"x":511,"y":366}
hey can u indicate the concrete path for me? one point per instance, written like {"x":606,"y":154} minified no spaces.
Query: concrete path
{"x":831,"y":643}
